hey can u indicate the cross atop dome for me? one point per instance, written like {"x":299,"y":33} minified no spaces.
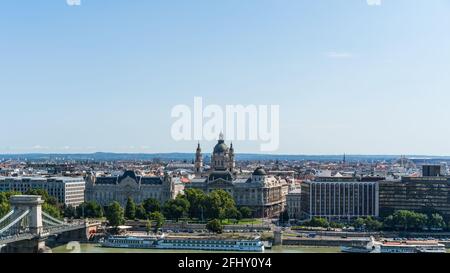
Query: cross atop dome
{"x":221,"y":136}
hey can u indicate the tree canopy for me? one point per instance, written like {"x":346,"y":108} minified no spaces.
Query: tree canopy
{"x":130,"y":209}
{"x":197,"y":201}
{"x":176,"y":208}
{"x":405,"y":220}
{"x":158,"y":219}
{"x":151,"y":205}
{"x":215,"y":226}
{"x":218,"y":203}
{"x":318,"y":222}
{"x":89,"y":209}
{"x":140,"y":212}
{"x":115,"y":214}
{"x":367,"y":223}
{"x":4,"y":202}
{"x":436,"y":221}
{"x":246,"y":212}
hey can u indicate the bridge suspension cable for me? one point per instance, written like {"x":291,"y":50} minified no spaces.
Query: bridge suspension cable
{"x":48,"y":218}
{"x":50,"y":223}
{"x":6,"y":216}
{"x":15,"y":221}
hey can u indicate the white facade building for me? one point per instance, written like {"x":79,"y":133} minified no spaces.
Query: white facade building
{"x":67,"y":190}
{"x":338,"y":199}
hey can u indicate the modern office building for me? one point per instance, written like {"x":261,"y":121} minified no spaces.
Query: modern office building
{"x":419,"y":194}
{"x":67,"y":190}
{"x":339,"y":198}
{"x":431,"y":170}
{"x":444,"y":168}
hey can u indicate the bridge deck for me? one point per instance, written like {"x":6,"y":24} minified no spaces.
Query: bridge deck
{"x":48,"y":231}
{"x":15,"y":238}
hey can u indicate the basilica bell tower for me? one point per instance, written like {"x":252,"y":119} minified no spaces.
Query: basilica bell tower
{"x":198,"y":161}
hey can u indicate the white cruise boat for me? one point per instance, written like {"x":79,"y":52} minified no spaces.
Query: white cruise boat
{"x":412,"y":247}
{"x":398,"y":247}
{"x":371,"y":247}
{"x":152,"y":242}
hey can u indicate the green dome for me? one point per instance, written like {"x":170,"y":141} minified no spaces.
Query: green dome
{"x":220,"y":147}
{"x":259,"y":171}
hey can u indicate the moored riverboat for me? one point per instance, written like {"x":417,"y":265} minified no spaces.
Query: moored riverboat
{"x":210,"y":244}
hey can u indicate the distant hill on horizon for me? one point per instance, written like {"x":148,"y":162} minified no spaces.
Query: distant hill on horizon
{"x":106,"y":156}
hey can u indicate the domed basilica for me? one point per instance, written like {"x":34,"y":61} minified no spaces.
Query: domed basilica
{"x":264,"y":193}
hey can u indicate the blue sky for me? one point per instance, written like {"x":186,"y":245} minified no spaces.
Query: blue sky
{"x":104,"y":76}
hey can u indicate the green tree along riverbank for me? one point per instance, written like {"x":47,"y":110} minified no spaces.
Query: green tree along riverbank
{"x":196,"y":206}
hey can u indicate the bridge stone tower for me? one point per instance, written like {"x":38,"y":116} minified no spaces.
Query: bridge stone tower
{"x":277,"y":237}
{"x":24,"y":228}
{"x":34,"y":204}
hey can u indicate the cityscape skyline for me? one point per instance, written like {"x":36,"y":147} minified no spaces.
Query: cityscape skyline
{"x":210,"y":129}
{"x":349,"y":77}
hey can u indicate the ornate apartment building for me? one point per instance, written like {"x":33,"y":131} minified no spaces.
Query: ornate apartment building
{"x":106,"y":189}
{"x":265,"y":194}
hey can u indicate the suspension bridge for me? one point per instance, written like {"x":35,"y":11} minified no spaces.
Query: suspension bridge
{"x":25,"y":228}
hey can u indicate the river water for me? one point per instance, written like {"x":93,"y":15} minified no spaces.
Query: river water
{"x":95,"y":248}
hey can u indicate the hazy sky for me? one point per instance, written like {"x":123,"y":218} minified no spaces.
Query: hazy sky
{"x":104,"y":76}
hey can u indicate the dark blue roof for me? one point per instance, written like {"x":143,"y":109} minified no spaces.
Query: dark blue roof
{"x":112,"y":180}
{"x":259,"y":171}
{"x":106,"y":180}
{"x":151,"y":180}
{"x":126,"y":174}
{"x":225,"y":175}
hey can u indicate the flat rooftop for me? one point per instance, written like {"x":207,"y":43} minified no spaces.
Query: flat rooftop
{"x":63,"y":179}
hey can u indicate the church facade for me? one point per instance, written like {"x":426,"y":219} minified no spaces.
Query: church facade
{"x":264,"y":194}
